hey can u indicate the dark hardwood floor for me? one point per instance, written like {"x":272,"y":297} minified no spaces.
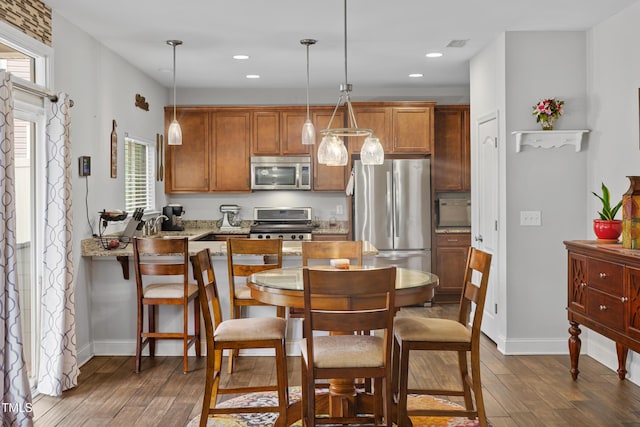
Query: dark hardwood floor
{"x":519,"y":390}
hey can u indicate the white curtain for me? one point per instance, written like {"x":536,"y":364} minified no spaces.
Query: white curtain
{"x":16,"y":395}
{"x":58,"y":359}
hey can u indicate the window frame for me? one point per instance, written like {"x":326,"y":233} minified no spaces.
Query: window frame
{"x":150,"y":174}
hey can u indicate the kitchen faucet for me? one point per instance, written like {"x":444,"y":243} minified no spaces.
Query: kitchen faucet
{"x":151,"y":226}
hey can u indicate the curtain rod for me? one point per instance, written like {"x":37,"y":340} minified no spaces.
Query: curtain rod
{"x":34,"y":89}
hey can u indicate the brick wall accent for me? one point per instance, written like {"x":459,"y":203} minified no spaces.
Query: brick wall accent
{"x":32,"y":17}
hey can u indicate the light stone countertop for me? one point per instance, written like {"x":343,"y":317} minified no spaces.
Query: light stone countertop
{"x":91,"y":247}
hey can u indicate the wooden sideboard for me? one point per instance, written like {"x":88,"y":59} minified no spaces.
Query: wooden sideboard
{"x":604,"y":296}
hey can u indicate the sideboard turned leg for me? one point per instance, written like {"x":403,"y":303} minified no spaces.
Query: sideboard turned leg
{"x":574,"y":348}
{"x":622,"y":360}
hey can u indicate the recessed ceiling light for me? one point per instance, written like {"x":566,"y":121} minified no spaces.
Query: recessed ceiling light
{"x":415,"y":75}
{"x":240,"y":56}
{"x":253,"y":76}
{"x":433,"y":55}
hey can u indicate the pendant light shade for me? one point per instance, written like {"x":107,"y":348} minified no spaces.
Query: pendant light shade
{"x":372,"y":152}
{"x":308,"y":130}
{"x":308,"y":133}
{"x":336,"y":153}
{"x":174,"y":136}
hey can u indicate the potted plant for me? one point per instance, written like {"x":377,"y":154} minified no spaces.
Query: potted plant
{"x":607,"y":227}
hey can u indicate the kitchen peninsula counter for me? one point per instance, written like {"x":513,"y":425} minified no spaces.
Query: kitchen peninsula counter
{"x":91,"y":247}
{"x":111,"y":302}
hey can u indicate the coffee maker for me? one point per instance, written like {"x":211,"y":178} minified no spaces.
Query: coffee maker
{"x":174,"y":214}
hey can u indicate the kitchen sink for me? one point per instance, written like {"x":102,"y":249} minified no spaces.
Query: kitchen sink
{"x":209,"y":237}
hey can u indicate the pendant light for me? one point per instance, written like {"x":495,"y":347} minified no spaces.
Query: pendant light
{"x":175,"y":133}
{"x":334,"y":152}
{"x":308,"y":130}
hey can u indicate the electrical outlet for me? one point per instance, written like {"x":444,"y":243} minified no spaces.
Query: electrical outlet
{"x":339,"y":210}
{"x":530,"y":218}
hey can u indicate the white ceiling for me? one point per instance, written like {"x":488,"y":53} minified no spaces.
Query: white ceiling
{"x":387,"y":40}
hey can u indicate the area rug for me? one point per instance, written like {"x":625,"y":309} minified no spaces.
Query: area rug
{"x":270,"y":398}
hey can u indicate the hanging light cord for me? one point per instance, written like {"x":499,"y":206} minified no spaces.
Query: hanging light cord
{"x":344,"y":97}
{"x":174,"y":80}
{"x":308,"y":118}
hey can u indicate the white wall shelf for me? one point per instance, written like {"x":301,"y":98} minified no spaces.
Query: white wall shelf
{"x":549,"y":138}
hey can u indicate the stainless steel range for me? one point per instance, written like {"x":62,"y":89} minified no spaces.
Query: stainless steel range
{"x":285,"y":223}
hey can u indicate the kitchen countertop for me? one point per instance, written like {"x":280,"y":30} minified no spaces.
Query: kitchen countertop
{"x":445,"y":230}
{"x":91,"y":247}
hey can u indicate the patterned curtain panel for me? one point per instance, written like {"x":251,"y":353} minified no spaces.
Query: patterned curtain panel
{"x":58,"y":359}
{"x":16,"y":396}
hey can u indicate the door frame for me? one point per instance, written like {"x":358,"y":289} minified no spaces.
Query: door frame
{"x":495,"y":306}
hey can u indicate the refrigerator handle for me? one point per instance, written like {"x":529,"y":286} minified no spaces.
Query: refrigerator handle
{"x":396,"y":198}
{"x":390,"y":218}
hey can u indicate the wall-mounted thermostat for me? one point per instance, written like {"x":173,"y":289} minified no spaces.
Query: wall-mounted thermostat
{"x":84,"y":165}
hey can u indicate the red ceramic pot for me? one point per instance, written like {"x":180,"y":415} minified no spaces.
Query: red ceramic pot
{"x":607,"y":229}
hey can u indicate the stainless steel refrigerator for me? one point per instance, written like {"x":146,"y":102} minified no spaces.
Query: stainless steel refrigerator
{"x":392,"y":210}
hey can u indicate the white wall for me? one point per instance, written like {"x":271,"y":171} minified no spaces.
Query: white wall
{"x":597,"y":75}
{"x":103,"y":87}
{"x":552,"y":181}
{"x":613,"y":80}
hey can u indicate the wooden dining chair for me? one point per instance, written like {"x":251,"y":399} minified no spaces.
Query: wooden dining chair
{"x":245,"y":257}
{"x":320,"y":252}
{"x":162,"y":278}
{"x":419,"y":333}
{"x":344,"y":302}
{"x":236,"y":334}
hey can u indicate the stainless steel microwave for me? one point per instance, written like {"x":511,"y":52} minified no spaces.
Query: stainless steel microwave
{"x":281,"y":173}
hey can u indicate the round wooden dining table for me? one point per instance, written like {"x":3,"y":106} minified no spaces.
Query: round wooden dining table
{"x":284,"y":287}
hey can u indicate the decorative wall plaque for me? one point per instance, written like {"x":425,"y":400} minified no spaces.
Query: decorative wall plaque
{"x":114,"y":150}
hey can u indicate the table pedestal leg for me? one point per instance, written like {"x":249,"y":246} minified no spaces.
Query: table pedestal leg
{"x":342,"y":398}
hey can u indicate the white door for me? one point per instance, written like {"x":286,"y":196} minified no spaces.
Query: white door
{"x":486,"y":232}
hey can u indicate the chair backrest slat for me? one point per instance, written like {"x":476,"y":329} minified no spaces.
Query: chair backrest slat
{"x":476,"y":281}
{"x":162,"y":257}
{"x":209,"y":297}
{"x":325,"y":250}
{"x":348,"y":300}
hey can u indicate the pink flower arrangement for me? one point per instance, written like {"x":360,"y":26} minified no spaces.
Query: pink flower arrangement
{"x":547,"y":110}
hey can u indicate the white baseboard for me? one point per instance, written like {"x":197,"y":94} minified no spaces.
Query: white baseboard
{"x":534,"y":346}
{"x":173,"y":348}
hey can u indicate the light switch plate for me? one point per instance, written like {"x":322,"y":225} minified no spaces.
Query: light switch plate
{"x":530,"y":218}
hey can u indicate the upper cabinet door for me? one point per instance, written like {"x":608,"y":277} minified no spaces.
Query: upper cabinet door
{"x":266,"y":133}
{"x":291,"y":140}
{"x":378,"y":119}
{"x":451,"y":153}
{"x":412,"y":129}
{"x":187,"y":165}
{"x":231,"y":141}
{"x":327,"y":178}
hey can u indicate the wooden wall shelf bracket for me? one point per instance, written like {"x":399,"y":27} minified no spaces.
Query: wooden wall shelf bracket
{"x":549,"y":138}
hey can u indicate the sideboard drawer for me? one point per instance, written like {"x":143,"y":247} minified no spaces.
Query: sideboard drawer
{"x":606,"y":309}
{"x":605,"y":276}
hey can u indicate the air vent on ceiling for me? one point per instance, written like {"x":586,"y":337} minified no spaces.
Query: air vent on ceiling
{"x":457,"y":43}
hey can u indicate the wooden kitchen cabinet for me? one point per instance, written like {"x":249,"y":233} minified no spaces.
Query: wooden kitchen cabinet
{"x":187,"y":165}
{"x":403,"y":127}
{"x":327,"y":178}
{"x":451,"y":251}
{"x":603,"y":294}
{"x":452,"y":158}
{"x":278,"y":132}
{"x":265,"y":133}
{"x":291,"y":134}
{"x":377,"y":119}
{"x":230,"y":148}
{"x":215,"y":150}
